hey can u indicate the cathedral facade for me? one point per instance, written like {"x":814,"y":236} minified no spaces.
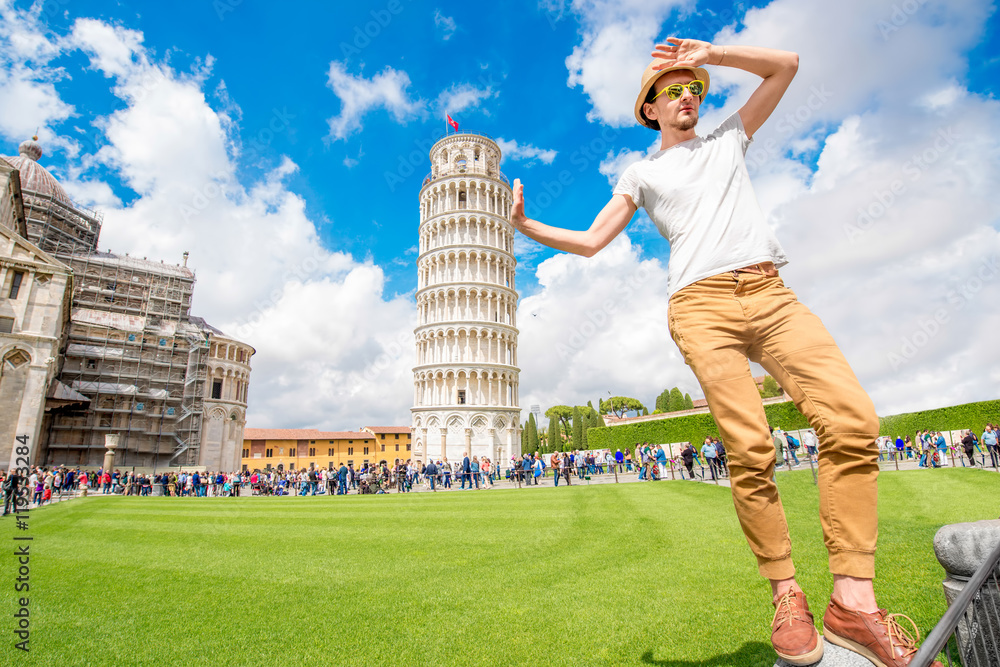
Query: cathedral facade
{"x":125,"y":355}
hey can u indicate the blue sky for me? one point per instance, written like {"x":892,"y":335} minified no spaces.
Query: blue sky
{"x":276,"y":143}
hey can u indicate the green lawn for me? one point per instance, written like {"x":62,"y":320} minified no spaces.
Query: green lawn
{"x":655,"y":573}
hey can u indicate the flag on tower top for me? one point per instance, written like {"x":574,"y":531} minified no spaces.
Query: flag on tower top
{"x":451,"y":122}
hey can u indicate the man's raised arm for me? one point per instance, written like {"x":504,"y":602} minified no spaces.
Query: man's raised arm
{"x":777,"y":68}
{"x":612,"y":219}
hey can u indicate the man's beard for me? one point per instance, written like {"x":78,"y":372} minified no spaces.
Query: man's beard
{"x":685,"y":123}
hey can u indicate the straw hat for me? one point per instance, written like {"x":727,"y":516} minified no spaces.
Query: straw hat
{"x":650,"y":76}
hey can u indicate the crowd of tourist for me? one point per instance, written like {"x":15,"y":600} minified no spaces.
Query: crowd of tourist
{"x":646,"y":461}
{"x":931,"y":450}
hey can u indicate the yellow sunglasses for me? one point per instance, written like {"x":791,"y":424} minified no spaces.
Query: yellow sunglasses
{"x":675,"y":90}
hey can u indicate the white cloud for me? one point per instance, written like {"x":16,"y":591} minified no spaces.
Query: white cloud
{"x":358,"y":96}
{"x":114,"y":50}
{"x":511,"y":150}
{"x":28,"y":95}
{"x":614,"y":164}
{"x":617,"y":38}
{"x":598,"y":325}
{"x":461,"y":97}
{"x":445,"y":24}
{"x":327,"y":338}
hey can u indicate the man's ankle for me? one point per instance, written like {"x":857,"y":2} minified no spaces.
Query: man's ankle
{"x":854,"y":593}
{"x":781,"y":586}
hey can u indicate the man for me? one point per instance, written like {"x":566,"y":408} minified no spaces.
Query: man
{"x":661,"y":461}
{"x":430,"y":474}
{"x":555,"y":461}
{"x":991,"y":441}
{"x":709,"y":452}
{"x":720,"y":452}
{"x":727,"y":306}
{"x":969,"y":445}
{"x":342,"y":480}
{"x":780,"y":446}
{"x":942,"y":449}
{"x":566,"y":466}
{"x":928,"y":457}
{"x":793,"y":446}
{"x":526,"y":469}
{"x":687,"y":455}
{"x":11,"y":484}
{"x":642,"y":454}
{"x":466,"y":470}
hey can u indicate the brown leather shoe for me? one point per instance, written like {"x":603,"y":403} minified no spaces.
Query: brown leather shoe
{"x":793,"y":633}
{"x":877,"y":635}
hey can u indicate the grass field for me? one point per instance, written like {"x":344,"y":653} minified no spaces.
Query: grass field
{"x":629,"y":574}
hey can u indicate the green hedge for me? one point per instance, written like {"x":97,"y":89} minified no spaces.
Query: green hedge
{"x":968,"y":415}
{"x":694,"y":428}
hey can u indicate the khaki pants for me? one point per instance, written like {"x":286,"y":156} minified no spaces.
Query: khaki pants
{"x":719,"y":323}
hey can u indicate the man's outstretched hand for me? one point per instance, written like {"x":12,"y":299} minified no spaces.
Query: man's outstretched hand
{"x":517,"y":216}
{"x":682,"y":53}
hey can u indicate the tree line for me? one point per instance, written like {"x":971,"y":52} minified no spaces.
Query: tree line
{"x":567,"y":429}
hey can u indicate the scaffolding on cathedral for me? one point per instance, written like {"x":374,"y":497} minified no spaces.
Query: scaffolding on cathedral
{"x":61,"y":227}
{"x":132,"y":349}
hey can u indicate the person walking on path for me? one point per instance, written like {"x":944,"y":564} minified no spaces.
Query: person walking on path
{"x":990,"y":439}
{"x":728,"y":306}
{"x":11,"y":484}
{"x":710,"y":454}
{"x":969,"y":445}
{"x":430,"y":474}
{"x":687,"y":455}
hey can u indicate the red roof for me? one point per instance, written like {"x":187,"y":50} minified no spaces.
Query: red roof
{"x":388,"y":429}
{"x":302,"y":434}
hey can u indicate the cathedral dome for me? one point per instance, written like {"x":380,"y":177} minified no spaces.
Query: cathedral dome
{"x":35,"y":178}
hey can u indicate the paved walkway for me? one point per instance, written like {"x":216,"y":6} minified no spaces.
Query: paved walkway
{"x":835,"y":656}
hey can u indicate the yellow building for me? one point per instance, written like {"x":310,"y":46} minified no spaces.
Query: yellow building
{"x":297,"y":449}
{"x":393,"y":441}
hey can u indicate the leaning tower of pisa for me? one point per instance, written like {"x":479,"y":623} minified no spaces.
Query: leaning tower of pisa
{"x":465,"y":395}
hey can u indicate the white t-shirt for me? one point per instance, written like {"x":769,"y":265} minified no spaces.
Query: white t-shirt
{"x":698,"y":193}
